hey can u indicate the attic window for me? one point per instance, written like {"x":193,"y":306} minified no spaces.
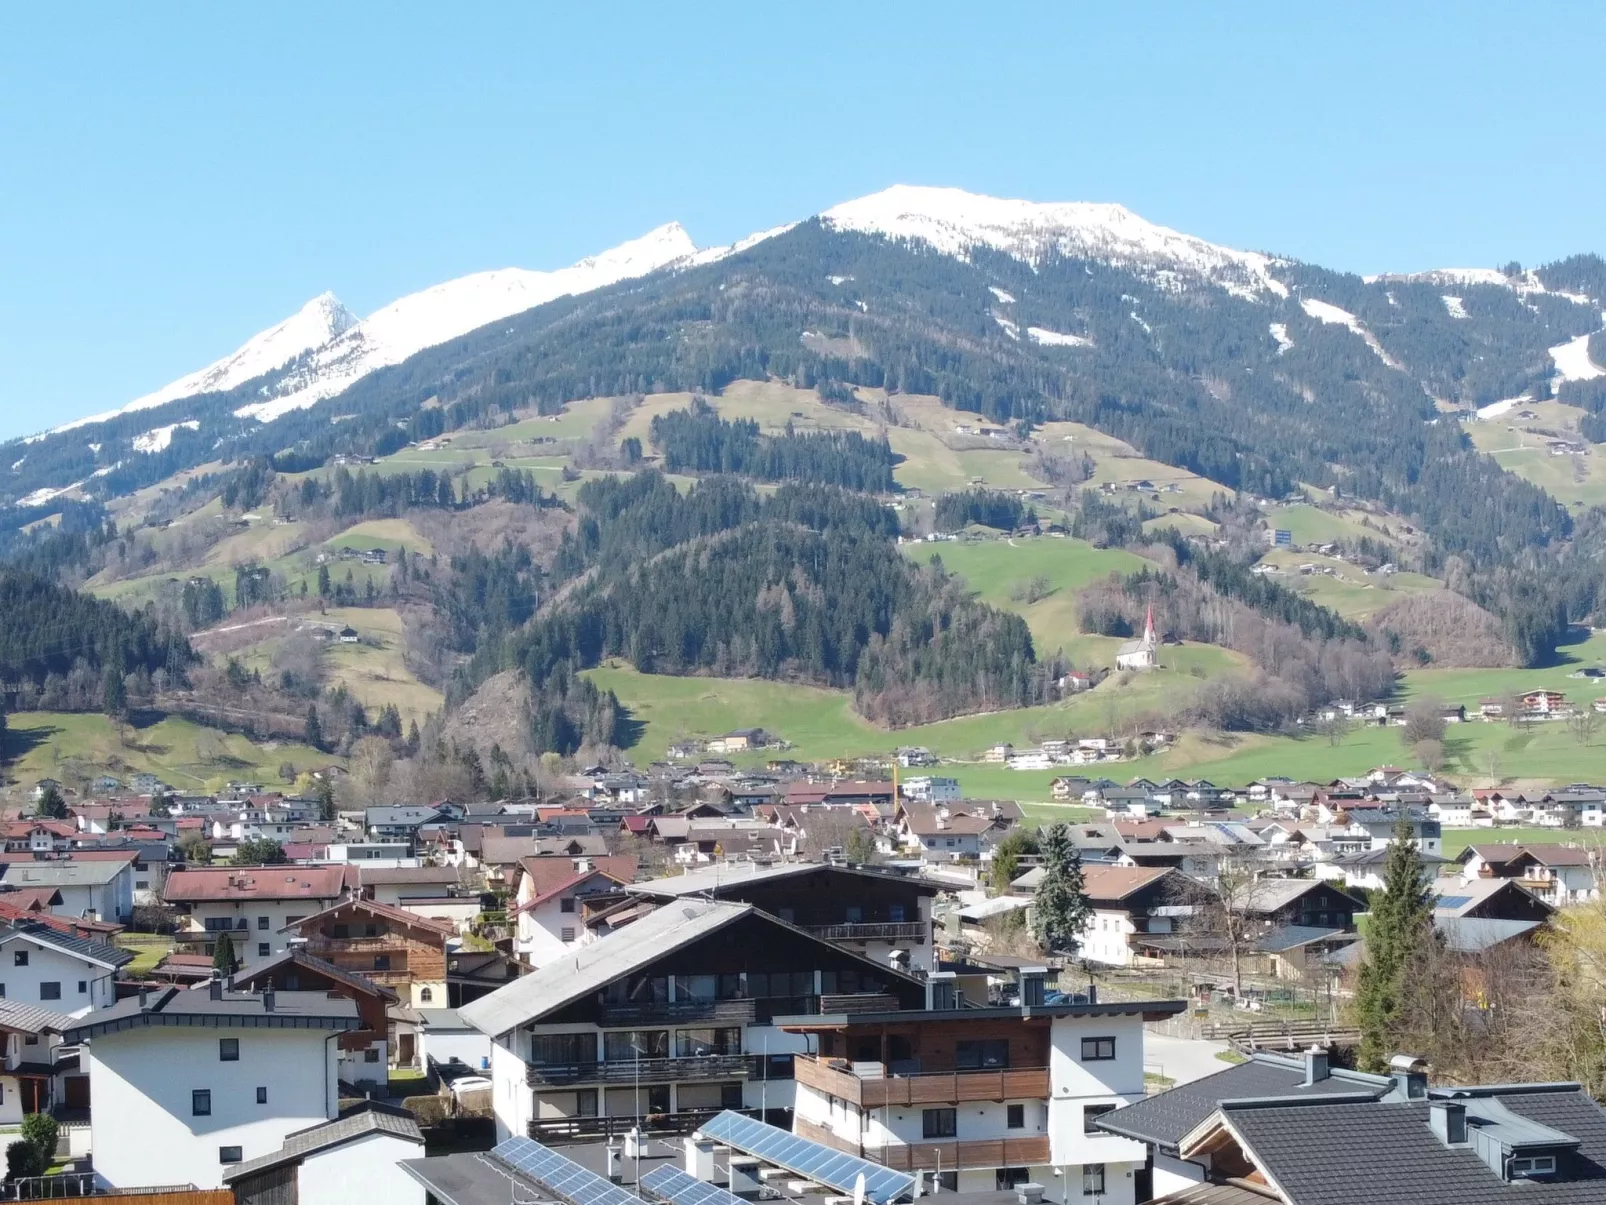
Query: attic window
{"x":1528,"y":1166}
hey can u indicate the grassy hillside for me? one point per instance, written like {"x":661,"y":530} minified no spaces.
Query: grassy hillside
{"x":77,"y":748}
{"x":1520,"y":446}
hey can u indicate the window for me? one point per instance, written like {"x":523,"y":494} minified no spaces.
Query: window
{"x":262,"y":922}
{"x":2,"y":991}
{"x":201,"y":1102}
{"x":566,"y":934}
{"x":230,"y":1154}
{"x":263,"y":949}
{"x":370,"y":1055}
{"x":1090,"y":1116}
{"x":142,"y":884}
{"x":698,"y":1043}
{"x":566,"y":904}
{"x":1533,"y":1165}
{"x":939,"y":1123}
{"x":228,"y":1050}
{"x":975,"y":1055}
{"x":1098,"y":1050}
{"x":895,"y":913}
{"x":381,"y":962}
{"x":1092,"y":1179}
{"x":50,"y":991}
{"x":426,"y":995}
{"x":1015,"y":1119}
{"x":20,"y":958}
{"x":262,"y":1096}
{"x":855,"y":914}
{"x":83,"y":987}
{"x":1007,"y":1178}
{"x":340,"y":931}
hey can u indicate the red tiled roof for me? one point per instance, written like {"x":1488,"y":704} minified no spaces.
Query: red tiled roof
{"x":1118,"y":882}
{"x":258,"y":883}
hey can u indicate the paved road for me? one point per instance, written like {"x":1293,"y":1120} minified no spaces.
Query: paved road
{"x":1181,"y":1059}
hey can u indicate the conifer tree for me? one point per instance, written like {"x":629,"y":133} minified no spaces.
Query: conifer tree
{"x":1060,"y":909}
{"x":313,"y":733}
{"x":51,"y":805}
{"x":1400,"y":930}
{"x":223,"y":960}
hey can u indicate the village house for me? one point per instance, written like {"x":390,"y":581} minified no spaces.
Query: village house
{"x":364,"y":1051}
{"x":1557,"y":874}
{"x":388,"y":946}
{"x":547,"y":901}
{"x":189,"y":1083}
{"x":357,"y":1156}
{"x":90,"y":886}
{"x":252,"y":904}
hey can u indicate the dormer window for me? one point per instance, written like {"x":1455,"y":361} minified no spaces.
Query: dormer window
{"x":1527,"y":1167}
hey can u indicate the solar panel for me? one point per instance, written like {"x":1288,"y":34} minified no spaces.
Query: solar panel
{"x":669,"y":1183}
{"x":561,"y":1176}
{"x":807,"y":1158}
{"x":1452,"y":901}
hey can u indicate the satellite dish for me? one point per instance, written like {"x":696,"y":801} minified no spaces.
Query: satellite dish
{"x":858,"y":1189}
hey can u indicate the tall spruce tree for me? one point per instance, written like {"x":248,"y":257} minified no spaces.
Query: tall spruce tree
{"x":1400,"y":930}
{"x":1060,"y":909}
{"x":223,"y":960}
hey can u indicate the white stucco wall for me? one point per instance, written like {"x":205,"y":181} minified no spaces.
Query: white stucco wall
{"x":1075,"y":1084}
{"x":46,"y":965}
{"x":511,"y":1097}
{"x":141,"y":1082}
{"x":468,"y":1046}
{"x":364,"y":1170}
{"x":247,"y":941}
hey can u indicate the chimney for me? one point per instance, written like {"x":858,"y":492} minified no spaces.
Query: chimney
{"x":1410,"y":1075}
{"x":942,"y":991}
{"x":1448,"y":1119}
{"x":267,"y":1001}
{"x":1033,"y":983}
{"x":1316,"y":1066}
{"x":216,"y":989}
{"x":144,"y":998}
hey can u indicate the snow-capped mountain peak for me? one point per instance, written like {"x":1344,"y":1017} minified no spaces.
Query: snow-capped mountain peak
{"x":444,"y":311}
{"x":313,"y":325}
{"x":954,"y":221}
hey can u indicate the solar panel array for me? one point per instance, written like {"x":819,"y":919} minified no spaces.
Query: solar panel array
{"x":561,"y":1176}
{"x":807,"y":1158}
{"x":669,"y":1183}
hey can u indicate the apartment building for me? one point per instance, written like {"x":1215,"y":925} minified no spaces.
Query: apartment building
{"x":982,"y":1099}
{"x":668,"y":1017}
{"x":254,"y":905}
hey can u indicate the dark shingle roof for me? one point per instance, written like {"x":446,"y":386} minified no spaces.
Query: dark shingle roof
{"x":87,"y":948}
{"x":1312,"y":1151}
{"x":1165,"y":1118}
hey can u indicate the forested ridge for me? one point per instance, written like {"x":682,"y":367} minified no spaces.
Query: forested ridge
{"x":47,"y":629}
{"x":697,"y":440}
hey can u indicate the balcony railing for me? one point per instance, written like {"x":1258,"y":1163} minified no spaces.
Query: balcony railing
{"x":657,"y":1012}
{"x":872,"y":931}
{"x":645,"y":1071}
{"x":938,"y":1088}
{"x":557,"y":1130}
{"x":357,"y":945}
{"x":950,"y":1155}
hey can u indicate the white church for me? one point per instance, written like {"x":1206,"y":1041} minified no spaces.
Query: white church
{"x":1140,"y":654}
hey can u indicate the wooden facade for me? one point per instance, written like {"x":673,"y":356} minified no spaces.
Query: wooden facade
{"x":385,"y":945}
{"x":929,"y":1156}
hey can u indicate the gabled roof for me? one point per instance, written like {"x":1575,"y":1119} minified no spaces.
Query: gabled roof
{"x":1540,"y":853}
{"x":85,"y":872}
{"x":1167,"y":1117}
{"x":296,"y":956}
{"x":17,"y":1017}
{"x":98,"y":952}
{"x":258,"y":883}
{"x":1460,"y":897}
{"x":368,"y":1118}
{"x":1111,"y":884}
{"x":1474,"y":934}
{"x":400,"y":916}
{"x":724,"y":878}
{"x":168,"y":1006}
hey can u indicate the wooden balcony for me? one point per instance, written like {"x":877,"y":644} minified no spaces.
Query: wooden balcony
{"x":942,"y":1088}
{"x":645,"y":1071}
{"x":915,"y":931}
{"x":948,"y":1156}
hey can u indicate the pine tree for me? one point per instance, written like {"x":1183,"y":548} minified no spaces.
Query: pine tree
{"x":51,"y":805}
{"x":313,"y":733}
{"x":323,"y":581}
{"x":223,"y":961}
{"x":1060,"y":909}
{"x":326,"y":799}
{"x":1401,"y":928}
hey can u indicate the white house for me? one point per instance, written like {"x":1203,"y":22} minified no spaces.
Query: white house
{"x":58,"y":971}
{"x":97,"y":889}
{"x":929,"y":788}
{"x":356,"y":1157}
{"x":29,"y":1078}
{"x":187,"y":1084}
{"x":547,"y":902}
{"x":252,"y":904}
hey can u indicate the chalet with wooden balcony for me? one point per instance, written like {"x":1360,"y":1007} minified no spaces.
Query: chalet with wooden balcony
{"x":885,"y":917}
{"x":1557,"y":874}
{"x":982,"y":1098}
{"x":389,"y":946}
{"x":668,"y":1019}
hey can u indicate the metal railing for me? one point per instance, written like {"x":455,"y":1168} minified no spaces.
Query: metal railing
{"x":645,"y":1071}
{"x":665,"y":1012}
{"x":553,"y":1130}
{"x":872,"y":931}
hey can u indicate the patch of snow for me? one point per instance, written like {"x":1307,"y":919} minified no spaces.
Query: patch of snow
{"x":1147,"y":329}
{"x":445,"y":311}
{"x":40,"y":496}
{"x":1324,"y":311}
{"x":1454,"y":305}
{"x":711,"y":255}
{"x":1573,"y":362}
{"x":17,"y":464}
{"x":1010,"y":328}
{"x":954,"y":222}
{"x":95,"y":448}
{"x":1279,"y":332}
{"x":863,"y":309}
{"x":1575,"y":298}
{"x":110,"y":468}
{"x":836,"y":280}
{"x":312,"y":326}
{"x":1003,"y":297}
{"x":158,"y":438}
{"x":1504,"y":406}
{"x":1048,"y":338}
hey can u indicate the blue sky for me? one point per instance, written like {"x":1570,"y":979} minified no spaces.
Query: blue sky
{"x":177,"y":177}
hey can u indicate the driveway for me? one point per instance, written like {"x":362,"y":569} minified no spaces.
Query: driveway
{"x":1181,"y":1059}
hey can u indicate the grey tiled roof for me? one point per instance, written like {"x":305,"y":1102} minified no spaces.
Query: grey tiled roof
{"x":1356,"y":1154}
{"x":87,"y":948}
{"x":1165,"y":1118}
{"x":370,"y":1119}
